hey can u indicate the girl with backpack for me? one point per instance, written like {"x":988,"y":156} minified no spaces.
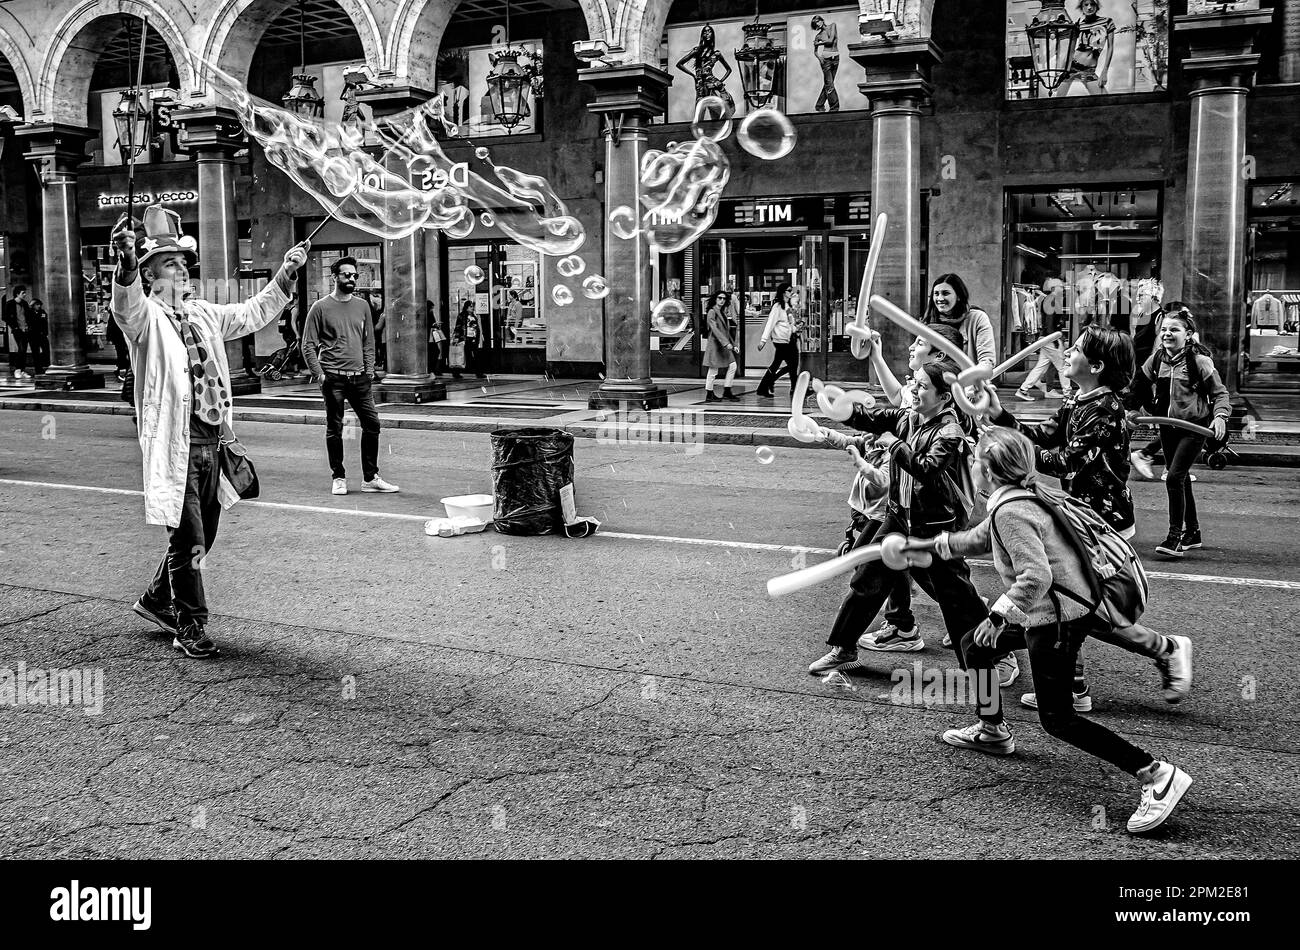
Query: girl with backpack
{"x":1179,"y":381}
{"x":928,"y":493}
{"x":1046,"y":609}
{"x":1086,"y":445}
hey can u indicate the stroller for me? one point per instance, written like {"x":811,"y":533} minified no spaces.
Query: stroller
{"x":286,"y":361}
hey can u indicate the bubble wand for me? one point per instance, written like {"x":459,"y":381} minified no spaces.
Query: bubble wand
{"x":130,"y":141}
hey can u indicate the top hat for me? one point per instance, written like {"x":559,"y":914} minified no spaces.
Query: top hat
{"x":160,"y":233}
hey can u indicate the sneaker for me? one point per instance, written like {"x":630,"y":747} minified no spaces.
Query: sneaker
{"x":1171,"y":546}
{"x":1008,"y":670}
{"x":1021,"y":394}
{"x":709,"y":397}
{"x":995,"y":740}
{"x":840,"y":658}
{"x":378,"y":484}
{"x":1053,"y":394}
{"x":889,"y":639}
{"x":1142,"y":463}
{"x":1191,"y":539}
{"x":1159,"y":798}
{"x":1082,"y":701}
{"x":164,"y":618}
{"x":340,"y":487}
{"x":1176,"y":671}
{"x":194,"y":643}
{"x":1164,"y":477}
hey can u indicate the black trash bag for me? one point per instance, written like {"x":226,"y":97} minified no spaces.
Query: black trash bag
{"x":529,"y":467}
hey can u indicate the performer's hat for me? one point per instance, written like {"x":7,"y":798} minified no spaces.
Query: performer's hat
{"x":160,"y":233}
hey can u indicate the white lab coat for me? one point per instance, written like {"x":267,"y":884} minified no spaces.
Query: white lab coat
{"x":163,"y":391}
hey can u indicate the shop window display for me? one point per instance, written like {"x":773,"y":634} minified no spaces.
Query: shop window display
{"x":1079,"y":256}
{"x":1102,"y":47}
{"x":462,"y":84}
{"x":1272,"y":358}
{"x":507,"y":299}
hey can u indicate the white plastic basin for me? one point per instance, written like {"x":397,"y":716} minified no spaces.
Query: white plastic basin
{"x":469,"y":506}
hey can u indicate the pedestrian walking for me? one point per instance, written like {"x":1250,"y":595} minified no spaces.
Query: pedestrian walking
{"x":338,"y":343}
{"x":950,"y":304}
{"x":783,"y":332}
{"x":927,"y":471}
{"x":720,"y":352}
{"x":437,"y":339}
{"x":1085,"y":444}
{"x":469,"y":335}
{"x":121,"y":351}
{"x":193,"y":465}
{"x":1043,"y":610}
{"x":1179,"y":381}
{"x":1050,"y":356}
{"x":15,"y":318}
{"x":38,"y":337}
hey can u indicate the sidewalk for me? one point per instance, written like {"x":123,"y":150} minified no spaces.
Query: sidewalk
{"x":474,"y":405}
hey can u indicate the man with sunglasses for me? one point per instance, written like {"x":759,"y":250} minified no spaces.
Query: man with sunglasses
{"x":338,"y":343}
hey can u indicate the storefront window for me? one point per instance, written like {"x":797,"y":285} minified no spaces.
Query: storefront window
{"x":1273,"y":308}
{"x":1088,"y":254}
{"x":1099,"y":47}
{"x":469,"y":101}
{"x":507,"y":298}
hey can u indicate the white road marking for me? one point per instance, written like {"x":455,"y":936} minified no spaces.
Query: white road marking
{"x":657,"y":538}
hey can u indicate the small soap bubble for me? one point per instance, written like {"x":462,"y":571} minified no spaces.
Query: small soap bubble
{"x":594,"y":287}
{"x":489,"y":219}
{"x":462,"y":227}
{"x":481,"y":153}
{"x":670,"y":317}
{"x":622,"y":221}
{"x":765,"y":455}
{"x":562,"y":295}
{"x":767,"y":134}
{"x":712,"y":119}
{"x":473,"y":275}
{"x":571,"y":266}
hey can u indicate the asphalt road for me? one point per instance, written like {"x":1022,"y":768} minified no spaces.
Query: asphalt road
{"x":384,"y":693}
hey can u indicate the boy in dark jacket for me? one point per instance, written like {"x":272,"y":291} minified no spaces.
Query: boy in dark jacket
{"x":927,"y":469}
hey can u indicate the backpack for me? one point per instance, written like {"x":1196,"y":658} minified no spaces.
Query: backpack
{"x":1117,"y":582}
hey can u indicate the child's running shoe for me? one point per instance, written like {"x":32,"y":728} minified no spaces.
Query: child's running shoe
{"x":889,"y":639}
{"x":1142,"y":462}
{"x":840,"y":658}
{"x":1008,"y":670}
{"x":1159,"y":797}
{"x":1176,"y":670}
{"x":982,"y":737}
{"x":1082,"y":701}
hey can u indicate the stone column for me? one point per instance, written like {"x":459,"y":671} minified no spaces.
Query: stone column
{"x":405,"y":282}
{"x":626,"y":97}
{"x":58,"y":151}
{"x":898,"y":84}
{"x":213,"y":136}
{"x":1219,"y":67}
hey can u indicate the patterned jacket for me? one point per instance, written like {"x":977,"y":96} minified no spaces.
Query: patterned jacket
{"x":1086,"y":446}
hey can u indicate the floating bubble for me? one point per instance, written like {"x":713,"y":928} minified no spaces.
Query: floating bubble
{"x":622,"y":221}
{"x":562,"y":295}
{"x":670,"y":317}
{"x":765,"y":455}
{"x":571,"y":266}
{"x":461,"y":228}
{"x":473,"y":275}
{"x":712,"y":119}
{"x":488,"y":219}
{"x":767,"y":134}
{"x":481,"y":153}
{"x":594,"y":287}
{"x":680,"y":191}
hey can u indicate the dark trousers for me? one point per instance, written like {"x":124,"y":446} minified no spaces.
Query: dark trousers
{"x":787,"y":353}
{"x":17,"y":349}
{"x":40,"y":345}
{"x":1052,"y":652}
{"x":356,"y":390}
{"x":946,"y":582}
{"x":898,"y":606}
{"x":1181,"y":449}
{"x":178,"y":582}
{"x":830,"y":65}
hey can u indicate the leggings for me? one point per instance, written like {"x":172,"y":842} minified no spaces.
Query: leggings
{"x":1052,"y":651}
{"x":787,"y":353}
{"x":1181,"y":449}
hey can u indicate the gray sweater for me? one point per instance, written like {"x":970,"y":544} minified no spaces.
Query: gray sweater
{"x":339,"y":337}
{"x":1033,"y":554}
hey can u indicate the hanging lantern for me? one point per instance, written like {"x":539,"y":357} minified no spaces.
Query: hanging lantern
{"x":302,"y":98}
{"x":762,"y":65}
{"x":1052,"y":38}
{"x":508,"y":86}
{"x":131,"y":119}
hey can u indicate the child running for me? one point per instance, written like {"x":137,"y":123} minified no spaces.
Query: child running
{"x":1086,"y":445}
{"x":1179,"y":381}
{"x":927,"y":468}
{"x":1035,"y":559}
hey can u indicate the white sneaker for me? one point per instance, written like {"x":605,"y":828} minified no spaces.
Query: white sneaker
{"x":889,"y":639}
{"x":1053,"y":394}
{"x":1159,"y":797}
{"x":1143,"y":465}
{"x":1164,"y":477}
{"x":340,"y":486}
{"x":1082,"y":701}
{"x":1176,"y":671}
{"x":840,"y":658}
{"x":378,"y":484}
{"x":1021,"y":394}
{"x":1008,"y":670}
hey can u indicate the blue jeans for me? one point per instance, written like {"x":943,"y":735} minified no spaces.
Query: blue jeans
{"x":356,"y":390}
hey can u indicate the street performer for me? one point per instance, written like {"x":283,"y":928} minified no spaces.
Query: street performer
{"x":182,"y":394}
